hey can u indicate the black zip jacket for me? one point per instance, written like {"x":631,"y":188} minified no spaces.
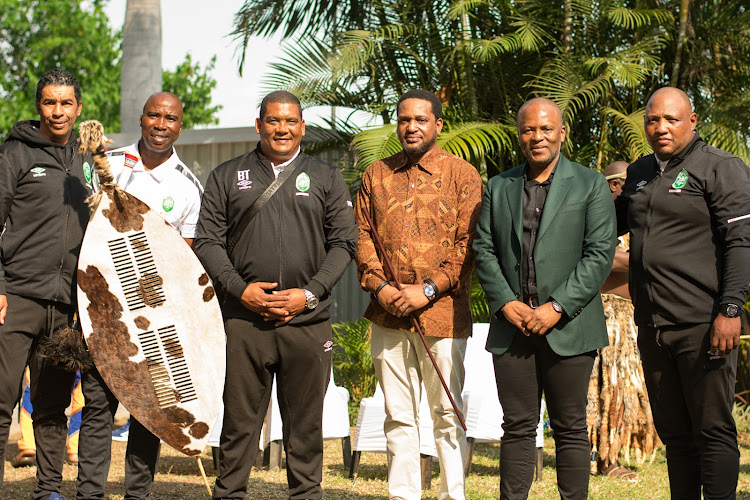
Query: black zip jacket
{"x":303,"y":237}
{"x":690,"y":234}
{"x":42,"y":191}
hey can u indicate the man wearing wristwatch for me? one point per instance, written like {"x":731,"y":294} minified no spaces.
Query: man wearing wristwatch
{"x":544,"y":246}
{"x":275,"y":284}
{"x":687,"y":207}
{"x":424,"y":203}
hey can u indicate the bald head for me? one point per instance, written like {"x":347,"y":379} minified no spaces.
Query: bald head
{"x":669,"y":122}
{"x":540,"y":104}
{"x":616,"y":168}
{"x":676,"y":97}
{"x":165,"y":97}
{"x":615,"y":174}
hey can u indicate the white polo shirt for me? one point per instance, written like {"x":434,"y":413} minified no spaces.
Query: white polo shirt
{"x":170,"y":189}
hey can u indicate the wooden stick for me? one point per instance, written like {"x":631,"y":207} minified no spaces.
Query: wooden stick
{"x":414,"y":320}
{"x":203,"y":473}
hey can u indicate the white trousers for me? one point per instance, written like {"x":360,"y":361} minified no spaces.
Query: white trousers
{"x":402,"y":365}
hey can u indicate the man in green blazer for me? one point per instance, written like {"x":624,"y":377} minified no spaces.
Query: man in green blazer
{"x":544,"y":246}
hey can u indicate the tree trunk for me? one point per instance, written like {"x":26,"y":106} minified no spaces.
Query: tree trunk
{"x":684,"y":12}
{"x":141,"y":61}
{"x":471,"y":93}
{"x":567,"y":38}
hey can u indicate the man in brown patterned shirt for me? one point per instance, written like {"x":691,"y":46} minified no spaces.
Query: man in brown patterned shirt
{"x":424,"y":203}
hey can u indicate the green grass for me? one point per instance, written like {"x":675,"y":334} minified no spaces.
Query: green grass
{"x":178,"y":477}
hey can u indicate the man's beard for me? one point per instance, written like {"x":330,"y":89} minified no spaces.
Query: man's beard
{"x":418,"y":150}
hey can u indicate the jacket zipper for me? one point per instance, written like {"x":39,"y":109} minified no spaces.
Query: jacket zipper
{"x":65,"y":233}
{"x":649,"y":211}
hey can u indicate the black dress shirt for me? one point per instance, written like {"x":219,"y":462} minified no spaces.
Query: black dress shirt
{"x":534,"y":196}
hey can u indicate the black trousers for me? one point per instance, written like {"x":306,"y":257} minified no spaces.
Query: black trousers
{"x":95,"y":446}
{"x":528,"y":368}
{"x":691,"y":400}
{"x":26,"y":322}
{"x":300,"y":357}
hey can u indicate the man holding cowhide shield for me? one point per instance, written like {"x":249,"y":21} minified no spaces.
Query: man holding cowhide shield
{"x":275,"y":234}
{"x":151,"y":170}
{"x":43,"y":185}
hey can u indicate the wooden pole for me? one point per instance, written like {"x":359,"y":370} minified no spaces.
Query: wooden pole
{"x":414,"y":320}
{"x":203,"y":474}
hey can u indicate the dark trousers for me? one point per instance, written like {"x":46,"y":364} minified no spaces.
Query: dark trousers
{"x":527,"y":368}
{"x":300,"y":357}
{"x":95,"y":446}
{"x":691,"y":399}
{"x":26,"y":322}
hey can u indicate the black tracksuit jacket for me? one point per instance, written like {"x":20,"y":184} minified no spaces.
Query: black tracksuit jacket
{"x":303,"y":237}
{"x":42,"y":191}
{"x":689,"y":234}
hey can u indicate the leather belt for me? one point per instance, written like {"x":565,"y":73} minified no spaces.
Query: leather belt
{"x":533,"y":301}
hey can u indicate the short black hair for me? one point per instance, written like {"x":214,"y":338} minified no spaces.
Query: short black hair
{"x":279,"y":96}
{"x":425,"y":95}
{"x":58,"y":77}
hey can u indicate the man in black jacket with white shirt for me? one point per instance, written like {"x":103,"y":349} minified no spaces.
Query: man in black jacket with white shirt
{"x":43,"y":185}
{"x":687,"y":207}
{"x":275,"y":274}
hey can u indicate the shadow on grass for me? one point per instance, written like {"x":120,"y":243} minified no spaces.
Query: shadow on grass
{"x":184,"y":465}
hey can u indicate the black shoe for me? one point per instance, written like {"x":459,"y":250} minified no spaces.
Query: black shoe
{"x":24,"y":458}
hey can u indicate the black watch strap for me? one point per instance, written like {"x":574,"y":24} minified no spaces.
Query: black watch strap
{"x":730,"y":310}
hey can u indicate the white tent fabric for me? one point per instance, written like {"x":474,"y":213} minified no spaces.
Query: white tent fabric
{"x":482,"y":412}
{"x":335,"y":417}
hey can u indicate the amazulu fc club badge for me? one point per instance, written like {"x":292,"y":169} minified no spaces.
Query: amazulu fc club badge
{"x":681,"y":180}
{"x":87,"y":172}
{"x":303,"y":182}
{"x":167,"y":204}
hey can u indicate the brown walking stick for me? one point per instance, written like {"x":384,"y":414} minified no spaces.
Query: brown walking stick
{"x":414,"y":320}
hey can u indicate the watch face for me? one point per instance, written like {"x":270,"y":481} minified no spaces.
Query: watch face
{"x":731,"y":310}
{"x":428,"y":290}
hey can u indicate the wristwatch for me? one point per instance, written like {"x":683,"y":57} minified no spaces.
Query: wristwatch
{"x":312,"y":300}
{"x":556,"y":306}
{"x":430,"y":290}
{"x":729,"y":310}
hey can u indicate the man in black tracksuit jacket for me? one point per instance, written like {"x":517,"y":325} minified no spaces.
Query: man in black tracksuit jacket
{"x":687,"y":208}
{"x":275,"y":287}
{"x":43,"y":185}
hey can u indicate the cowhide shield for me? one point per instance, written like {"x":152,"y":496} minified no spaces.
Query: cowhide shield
{"x":151,"y":321}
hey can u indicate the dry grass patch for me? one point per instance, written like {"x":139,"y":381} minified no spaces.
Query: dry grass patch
{"x":178,"y":477}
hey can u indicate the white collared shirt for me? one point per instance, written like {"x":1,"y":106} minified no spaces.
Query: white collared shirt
{"x":277,"y":169}
{"x":170,"y":189}
{"x":662,"y":164}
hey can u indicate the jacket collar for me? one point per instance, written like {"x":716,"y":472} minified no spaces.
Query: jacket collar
{"x":557,"y":192}
{"x":679,"y":157}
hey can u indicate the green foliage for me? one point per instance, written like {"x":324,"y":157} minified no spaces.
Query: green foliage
{"x":39,"y":35}
{"x":480,"y":309}
{"x":352,"y":362}
{"x":599,"y":60}
{"x":193,"y":86}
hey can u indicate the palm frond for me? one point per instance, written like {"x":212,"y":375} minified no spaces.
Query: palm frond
{"x":373,"y":144}
{"x":637,"y":18}
{"x":475,"y":140}
{"x":463,"y":6}
{"x":630,"y":128}
{"x":727,"y":138}
{"x":566,"y":81}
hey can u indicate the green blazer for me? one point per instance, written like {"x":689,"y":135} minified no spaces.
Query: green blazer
{"x":572,"y":255}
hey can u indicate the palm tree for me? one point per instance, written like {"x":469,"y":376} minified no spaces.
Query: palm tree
{"x":141,"y":60}
{"x":599,"y":60}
